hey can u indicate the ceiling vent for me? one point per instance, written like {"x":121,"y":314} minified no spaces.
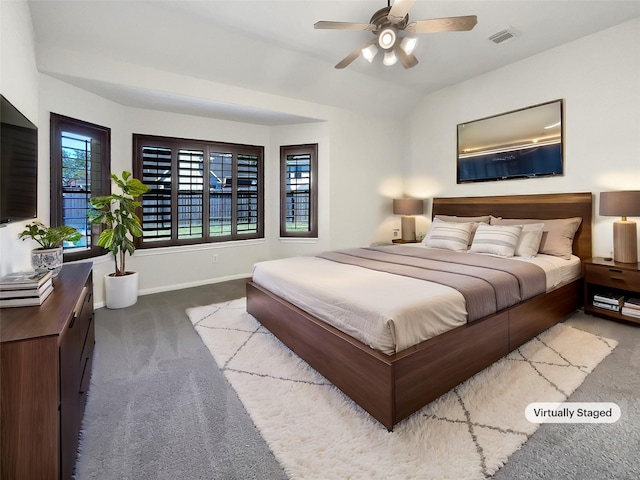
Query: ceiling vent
{"x":504,"y":35}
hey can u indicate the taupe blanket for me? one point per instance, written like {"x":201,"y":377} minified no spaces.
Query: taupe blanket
{"x":489,"y":284}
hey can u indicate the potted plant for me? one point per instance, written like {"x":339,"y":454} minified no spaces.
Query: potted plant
{"x":48,"y":257}
{"x":117,"y":212}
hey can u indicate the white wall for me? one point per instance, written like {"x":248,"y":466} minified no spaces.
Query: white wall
{"x":597,"y":76}
{"x":19,"y":84}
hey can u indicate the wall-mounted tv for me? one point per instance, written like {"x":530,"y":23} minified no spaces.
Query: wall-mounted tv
{"x":525,"y":143}
{"x":18,"y":165}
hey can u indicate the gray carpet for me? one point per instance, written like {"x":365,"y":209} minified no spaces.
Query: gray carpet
{"x":159,"y":408}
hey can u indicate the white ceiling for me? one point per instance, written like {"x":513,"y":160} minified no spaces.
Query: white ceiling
{"x":271,"y":46}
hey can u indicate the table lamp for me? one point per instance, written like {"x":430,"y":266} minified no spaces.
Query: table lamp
{"x":625,"y":237}
{"x":408,"y":207}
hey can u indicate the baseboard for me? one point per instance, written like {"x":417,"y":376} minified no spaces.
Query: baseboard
{"x":181,"y":286}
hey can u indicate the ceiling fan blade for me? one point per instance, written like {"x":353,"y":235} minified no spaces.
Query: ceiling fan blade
{"x":407,"y":61}
{"x":399,"y":10}
{"x":346,"y":61}
{"x":323,"y":25}
{"x":448,"y":24}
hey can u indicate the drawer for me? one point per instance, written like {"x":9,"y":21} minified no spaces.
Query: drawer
{"x":84,"y":311}
{"x":88,"y":343}
{"x":613,"y":277}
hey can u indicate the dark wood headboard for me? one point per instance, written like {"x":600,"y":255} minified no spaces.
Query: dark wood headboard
{"x":543,"y":206}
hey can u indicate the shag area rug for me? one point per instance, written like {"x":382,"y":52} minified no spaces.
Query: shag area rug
{"x":316,"y":432}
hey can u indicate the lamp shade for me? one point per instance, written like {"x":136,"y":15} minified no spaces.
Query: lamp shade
{"x":408,"y":206}
{"x":624,"y":203}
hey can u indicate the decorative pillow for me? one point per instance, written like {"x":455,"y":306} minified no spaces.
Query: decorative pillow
{"x":426,"y":238}
{"x":557,"y":236}
{"x":529,"y":242}
{"x":500,"y":240}
{"x":475,"y":221}
{"x":449,"y":235}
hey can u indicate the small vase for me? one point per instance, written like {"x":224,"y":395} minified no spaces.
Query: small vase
{"x":47,"y":259}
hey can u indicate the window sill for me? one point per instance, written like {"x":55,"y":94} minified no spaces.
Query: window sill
{"x":147,"y":252}
{"x":298,"y":240}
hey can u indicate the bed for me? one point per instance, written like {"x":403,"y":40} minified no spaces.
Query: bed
{"x":392,"y":386}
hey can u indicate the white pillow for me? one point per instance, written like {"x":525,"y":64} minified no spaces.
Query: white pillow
{"x":500,"y":240}
{"x":474,"y":221}
{"x":529,"y":242}
{"x":426,"y":238}
{"x":449,"y":235}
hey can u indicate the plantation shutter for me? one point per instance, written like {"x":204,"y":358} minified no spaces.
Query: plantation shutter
{"x":190,"y":193}
{"x":247,"y":201}
{"x":79,"y":170}
{"x":298,"y":191}
{"x":200,"y":191}
{"x":220,"y":194}
{"x":156,"y":203}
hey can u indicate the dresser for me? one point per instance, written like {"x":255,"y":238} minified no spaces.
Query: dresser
{"x":46,"y":355}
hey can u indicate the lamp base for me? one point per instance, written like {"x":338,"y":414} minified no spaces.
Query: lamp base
{"x":408,"y":225}
{"x":625,"y":241}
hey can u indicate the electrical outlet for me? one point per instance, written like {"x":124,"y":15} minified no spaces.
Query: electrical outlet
{"x":215,"y":258}
{"x":395,"y":232}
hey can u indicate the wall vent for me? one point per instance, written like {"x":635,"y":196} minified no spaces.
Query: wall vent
{"x":504,"y":35}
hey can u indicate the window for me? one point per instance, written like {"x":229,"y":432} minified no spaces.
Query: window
{"x":80,"y":169}
{"x":299,"y":191}
{"x":200,"y":191}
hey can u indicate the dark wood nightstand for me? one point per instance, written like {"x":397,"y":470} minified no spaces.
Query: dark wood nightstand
{"x":606,"y":276}
{"x":399,"y":240}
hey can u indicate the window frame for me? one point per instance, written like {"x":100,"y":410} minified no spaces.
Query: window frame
{"x":304,"y":149}
{"x":176,"y":145}
{"x":58,"y":124}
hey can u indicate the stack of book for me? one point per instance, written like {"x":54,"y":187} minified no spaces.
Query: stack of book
{"x":24,"y":289}
{"x":610,"y":301}
{"x":631,"y":307}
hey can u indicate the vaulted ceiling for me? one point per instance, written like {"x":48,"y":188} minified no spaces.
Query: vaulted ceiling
{"x":271,"y":46}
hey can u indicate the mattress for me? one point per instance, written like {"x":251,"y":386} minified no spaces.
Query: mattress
{"x":385,"y":311}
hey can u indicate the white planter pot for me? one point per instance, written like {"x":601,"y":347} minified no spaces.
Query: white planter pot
{"x":121,"y":292}
{"x":47,"y":259}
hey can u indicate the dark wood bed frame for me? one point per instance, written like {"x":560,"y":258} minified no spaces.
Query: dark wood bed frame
{"x":392,"y":387}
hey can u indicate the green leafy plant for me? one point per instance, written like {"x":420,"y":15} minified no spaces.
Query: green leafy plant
{"x":118,"y":213}
{"x":49,"y":237}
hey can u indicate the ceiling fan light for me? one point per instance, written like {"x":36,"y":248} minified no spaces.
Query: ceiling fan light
{"x":408,"y":44}
{"x":387,"y":38}
{"x":389,"y":58}
{"x":369,"y":52}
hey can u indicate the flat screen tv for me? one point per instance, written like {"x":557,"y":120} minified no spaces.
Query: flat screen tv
{"x":525,"y":143}
{"x":18,"y":165}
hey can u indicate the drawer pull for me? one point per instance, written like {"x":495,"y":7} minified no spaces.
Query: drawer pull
{"x":615,"y":270}
{"x":78,"y":308}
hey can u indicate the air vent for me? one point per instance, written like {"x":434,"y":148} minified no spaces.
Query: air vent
{"x":504,"y":35}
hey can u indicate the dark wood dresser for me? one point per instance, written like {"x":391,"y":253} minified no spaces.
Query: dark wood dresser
{"x":46,"y":355}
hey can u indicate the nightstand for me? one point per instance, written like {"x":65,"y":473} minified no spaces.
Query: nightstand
{"x":399,"y":240}
{"x":606,"y":276}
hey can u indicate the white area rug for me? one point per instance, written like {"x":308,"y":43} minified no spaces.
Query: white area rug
{"x":316,"y":432}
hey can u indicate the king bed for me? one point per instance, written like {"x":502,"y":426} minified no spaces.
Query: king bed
{"x":395,"y":327}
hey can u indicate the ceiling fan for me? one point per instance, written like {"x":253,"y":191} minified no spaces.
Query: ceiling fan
{"x":390,"y":25}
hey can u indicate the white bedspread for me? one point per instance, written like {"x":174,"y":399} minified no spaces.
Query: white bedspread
{"x":385,"y":311}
